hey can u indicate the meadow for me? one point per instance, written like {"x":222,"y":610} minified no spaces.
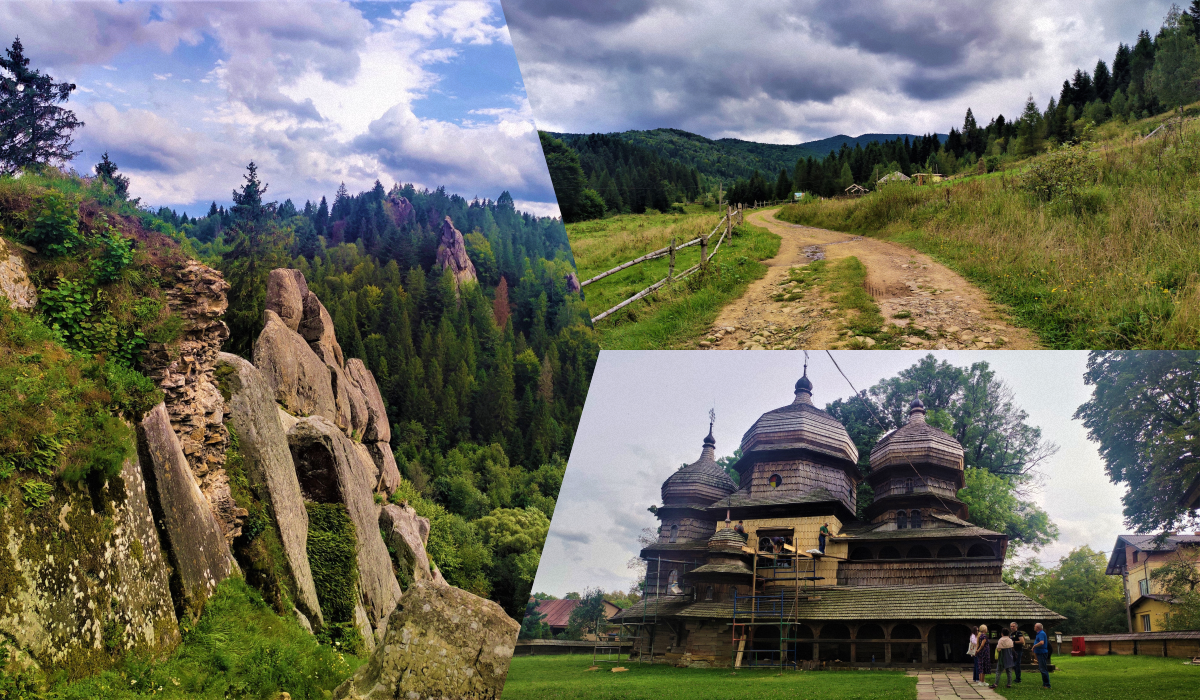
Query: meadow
{"x":567,"y":677}
{"x":1111,"y":263}
{"x":676,"y":316}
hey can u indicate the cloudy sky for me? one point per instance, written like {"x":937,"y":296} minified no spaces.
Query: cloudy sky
{"x":183,"y":95}
{"x":788,"y":71}
{"x":647,"y":413}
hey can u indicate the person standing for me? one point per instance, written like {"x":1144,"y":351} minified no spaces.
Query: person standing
{"x":971,"y":649}
{"x":983,"y":656}
{"x":1018,"y":640}
{"x":1041,"y":649}
{"x":1004,"y":660}
{"x":824,"y":533}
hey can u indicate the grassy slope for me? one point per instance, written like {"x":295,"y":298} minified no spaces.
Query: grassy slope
{"x":567,"y":678}
{"x":1094,"y":677}
{"x":670,"y":319}
{"x":1118,"y":270}
{"x":238,"y":648}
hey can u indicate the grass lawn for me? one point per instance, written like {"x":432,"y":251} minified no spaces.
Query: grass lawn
{"x":567,"y":677}
{"x":1103,"y":677}
{"x":672,"y":318}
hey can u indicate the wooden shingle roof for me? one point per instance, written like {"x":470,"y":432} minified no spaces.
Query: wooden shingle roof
{"x":800,"y":425}
{"x":702,"y":481}
{"x":917,"y":443}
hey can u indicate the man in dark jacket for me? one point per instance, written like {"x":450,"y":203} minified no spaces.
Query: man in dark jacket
{"x":1018,"y":638}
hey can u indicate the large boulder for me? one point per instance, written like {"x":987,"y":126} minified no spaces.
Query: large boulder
{"x":377,"y":429}
{"x":316,"y":327}
{"x":452,"y":254}
{"x":441,"y":642}
{"x":407,"y":533}
{"x":15,"y":284}
{"x":332,"y":468}
{"x":268,"y":461}
{"x":85,"y":579}
{"x":199,"y":554}
{"x":286,"y":290}
{"x":299,"y":379}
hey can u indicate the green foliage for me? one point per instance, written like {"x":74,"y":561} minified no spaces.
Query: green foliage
{"x":1180,"y":579}
{"x":62,"y":409}
{"x":36,"y":493}
{"x":1065,"y":173}
{"x":1144,"y":415}
{"x":1077,"y":588}
{"x":533,"y":625}
{"x":993,"y":503}
{"x":577,"y":201}
{"x":34,"y":130}
{"x":515,"y":538}
{"x":239,"y":648}
{"x":588,"y":616}
{"x":54,"y":225}
{"x":333,"y":559}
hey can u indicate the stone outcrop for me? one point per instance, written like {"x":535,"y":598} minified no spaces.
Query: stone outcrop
{"x":298,"y":377}
{"x":15,"y":284}
{"x":78,"y":583}
{"x":286,"y":290}
{"x":334,"y":469}
{"x":199,"y":552}
{"x":441,"y":642}
{"x":377,"y":428}
{"x":399,"y":209}
{"x":452,"y":254}
{"x":407,"y":533}
{"x":184,"y":371}
{"x":387,"y":475}
{"x":573,"y":283}
{"x":268,"y":460}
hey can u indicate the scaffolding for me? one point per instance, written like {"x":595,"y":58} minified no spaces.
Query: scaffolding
{"x":645,"y":628}
{"x":782,"y":564}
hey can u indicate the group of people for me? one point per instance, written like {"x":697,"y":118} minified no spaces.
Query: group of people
{"x":1009,"y":648}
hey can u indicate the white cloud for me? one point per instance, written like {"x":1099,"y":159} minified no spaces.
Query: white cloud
{"x":162,"y":76}
{"x":461,"y":22}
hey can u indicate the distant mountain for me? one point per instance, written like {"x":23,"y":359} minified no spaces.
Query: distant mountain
{"x":732,"y":159}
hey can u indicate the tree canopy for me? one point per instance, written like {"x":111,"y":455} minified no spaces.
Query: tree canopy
{"x":1078,"y":589}
{"x":34,"y":129}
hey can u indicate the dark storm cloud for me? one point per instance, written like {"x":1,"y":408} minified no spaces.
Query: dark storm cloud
{"x":785,"y":69}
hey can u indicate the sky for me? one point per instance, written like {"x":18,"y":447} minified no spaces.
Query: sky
{"x":790,"y":71}
{"x":182,"y":95}
{"x":647,"y":413}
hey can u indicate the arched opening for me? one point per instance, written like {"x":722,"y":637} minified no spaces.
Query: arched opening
{"x":860,"y":554}
{"x":869,"y":645}
{"x":901,"y":520}
{"x":764,"y":647}
{"x":708,"y":594}
{"x":951,"y":642}
{"x":835,"y":650}
{"x":914,"y":519}
{"x":949,"y":551}
{"x":889,"y":552}
{"x":980,"y":549}
{"x":674,"y":533}
{"x":905,"y":651}
{"x":919,"y":552}
{"x":800,"y":650}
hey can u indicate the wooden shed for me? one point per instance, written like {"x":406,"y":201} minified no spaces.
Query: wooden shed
{"x":856,"y":190}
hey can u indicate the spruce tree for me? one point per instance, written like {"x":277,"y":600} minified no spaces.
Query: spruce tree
{"x":1102,"y":82}
{"x":106,"y":170}
{"x":33,"y":128}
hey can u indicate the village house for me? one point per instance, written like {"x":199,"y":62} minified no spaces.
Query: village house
{"x":1134,"y":558}
{"x":739,"y":575}
{"x":558,"y":613}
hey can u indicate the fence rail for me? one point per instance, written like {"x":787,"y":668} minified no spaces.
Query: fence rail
{"x":726,"y":223}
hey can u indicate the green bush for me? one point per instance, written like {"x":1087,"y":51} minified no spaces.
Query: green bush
{"x":333,"y":559}
{"x":1063,"y":173}
{"x":54,"y":225}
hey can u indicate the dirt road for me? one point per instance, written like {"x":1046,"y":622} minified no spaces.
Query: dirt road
{"x":937,"y":306}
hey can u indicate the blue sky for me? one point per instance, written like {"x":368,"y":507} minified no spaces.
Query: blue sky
{"x":183,"y":95}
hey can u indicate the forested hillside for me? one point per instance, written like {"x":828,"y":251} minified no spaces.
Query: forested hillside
{"x":484,"y":381}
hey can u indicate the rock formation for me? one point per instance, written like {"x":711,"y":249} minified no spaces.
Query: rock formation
{"x":441,"y":642}
{"x":407,"y":533}
{"x":573,"y":283}
{"x":399,"y":209}
{"x":286,"y":290}
{"x":452,"y":254}
{"x":184,"y":371}
{"x":200,"y":555}
{"x":15,"y":284}
{"x":298,"y":377}
{"x":268,"y":460}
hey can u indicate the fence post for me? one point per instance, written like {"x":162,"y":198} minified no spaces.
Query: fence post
{"x":729,"y":223}
{"x":703,"y":251}
{"x":671,"y":266}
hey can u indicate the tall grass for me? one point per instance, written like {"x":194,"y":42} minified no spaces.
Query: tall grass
{"x":1117,"y":266}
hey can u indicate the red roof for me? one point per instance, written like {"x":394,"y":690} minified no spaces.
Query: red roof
{"x":557,"y":612}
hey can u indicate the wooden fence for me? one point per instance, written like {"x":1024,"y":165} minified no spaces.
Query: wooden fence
{"x":724,"y":226}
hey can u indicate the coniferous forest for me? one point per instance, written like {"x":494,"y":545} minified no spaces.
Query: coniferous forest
{"x":484,"y":383}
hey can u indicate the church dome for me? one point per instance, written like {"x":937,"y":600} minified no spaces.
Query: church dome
{"x":800,"y":425}
{"x":702,"y":482}
{"x":916,"y":443}
{"x":726,"y":539}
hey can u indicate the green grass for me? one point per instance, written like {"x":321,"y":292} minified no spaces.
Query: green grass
{"x":1102,"y":677}
{"x":239,"y":648}
{"x":676,"y":317}
{"x":1117,"y":266}
{"x":567,"y":678}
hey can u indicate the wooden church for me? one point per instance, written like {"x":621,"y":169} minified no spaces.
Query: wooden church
{"x":739,"y":575}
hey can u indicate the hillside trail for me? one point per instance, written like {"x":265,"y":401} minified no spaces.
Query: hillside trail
{"x":944,"y":310}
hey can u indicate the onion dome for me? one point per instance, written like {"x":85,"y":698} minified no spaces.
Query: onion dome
{"x":917,"y":443}
{"x":702,"y":482}
{"x":800,"y":425}
{"x":726,"y":540}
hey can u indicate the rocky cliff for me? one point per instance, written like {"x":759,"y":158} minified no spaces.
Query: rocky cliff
{"x":452,"y":254}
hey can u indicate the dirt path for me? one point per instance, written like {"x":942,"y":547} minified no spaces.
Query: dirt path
{"x":944,"y":311}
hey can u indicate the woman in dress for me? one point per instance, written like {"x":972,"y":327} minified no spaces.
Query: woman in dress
{"x":983,"y":655}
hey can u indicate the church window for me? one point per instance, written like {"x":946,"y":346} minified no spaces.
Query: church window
{"x":901,"y":520}
{"x":914,"y":520}
{"x":775,"y":481}
{"x":674,"y":533}
{"x":708,"y":595}
{"x":908,"y":486}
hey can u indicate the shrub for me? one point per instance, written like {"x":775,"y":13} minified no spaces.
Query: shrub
{"x":1063,"y":173}
{"x":54,"y":225}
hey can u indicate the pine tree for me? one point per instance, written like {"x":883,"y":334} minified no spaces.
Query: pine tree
{"x":106,"y":170}
{"x":33,"y":128}
{"x":1120,"y":68}
{"x":1102,"y":82}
